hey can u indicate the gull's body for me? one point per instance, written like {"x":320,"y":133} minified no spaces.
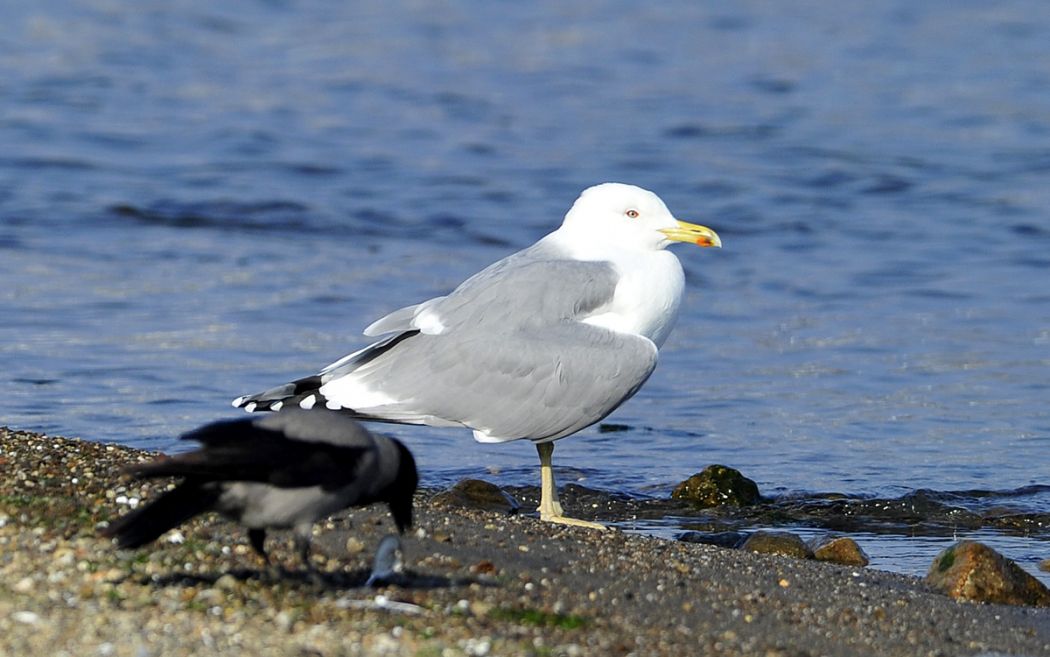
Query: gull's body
{"x":537,"y":346}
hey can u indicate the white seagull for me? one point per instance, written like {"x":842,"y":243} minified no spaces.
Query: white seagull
{"x":538,"y":345}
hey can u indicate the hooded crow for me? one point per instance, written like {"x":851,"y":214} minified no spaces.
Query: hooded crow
{"x":280,"y":471}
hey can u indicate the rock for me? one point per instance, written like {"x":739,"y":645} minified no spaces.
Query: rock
{"x":783,"y":543}
{"x":354,"y":545}
{"x":973,"y":571}
{"x":476,"y":494}
{"x":838,"y":549}
{"x":227,"y":583}
{"x":731,"y":540}
{"x":24,"y":585}
{"x":1044,"y":565}
{"x":27,"y":617}
{"x":717,"y":485}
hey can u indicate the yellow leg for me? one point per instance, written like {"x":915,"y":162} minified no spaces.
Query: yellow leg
{"x":549,"y":505}
{"x":550,"y":509}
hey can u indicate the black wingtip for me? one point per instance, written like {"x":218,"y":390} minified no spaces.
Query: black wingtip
{"x":287,"y":395}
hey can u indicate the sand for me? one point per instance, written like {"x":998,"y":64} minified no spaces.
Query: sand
{"x":477,"y":583}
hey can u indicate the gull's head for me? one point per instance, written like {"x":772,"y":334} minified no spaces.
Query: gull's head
{"x":631,"y":217}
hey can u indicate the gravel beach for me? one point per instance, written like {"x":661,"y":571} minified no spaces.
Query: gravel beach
{"x":476,"y":583}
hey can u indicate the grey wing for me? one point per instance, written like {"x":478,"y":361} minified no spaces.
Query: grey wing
{"x":403,"y":319}
{"x":529,"y":290}
{"x":515,"y":385}
{"x":416,"y":317}
{"x":534,"y":287}
{"x":518,"y":269}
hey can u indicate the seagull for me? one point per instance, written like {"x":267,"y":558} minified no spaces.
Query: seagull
{"x":536,"y":346}
{"x":286,"y":470}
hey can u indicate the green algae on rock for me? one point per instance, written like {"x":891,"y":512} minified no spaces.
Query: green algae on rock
{"x":972,"y":571}
{"x":717,"y":485}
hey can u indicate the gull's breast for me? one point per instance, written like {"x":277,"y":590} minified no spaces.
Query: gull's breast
{"x":647,"y":296}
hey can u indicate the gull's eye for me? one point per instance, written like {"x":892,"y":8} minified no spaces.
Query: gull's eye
{"x":633,"y":214}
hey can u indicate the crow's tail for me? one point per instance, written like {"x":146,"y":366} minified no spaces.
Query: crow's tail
{"x":170,"y":510}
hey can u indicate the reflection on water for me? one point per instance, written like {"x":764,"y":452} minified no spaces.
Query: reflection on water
{"x":198,"y":201}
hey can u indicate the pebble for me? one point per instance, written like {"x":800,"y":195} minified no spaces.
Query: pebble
{"x":27,"y":617}
{"x":477,"y":647}
{"x":838,"y":549}
{"x":65,"y":558}
{"x":284,"y":621}
{"x":227,"y":583}
{"x":24,"y":585}
{"x":354,"y":545}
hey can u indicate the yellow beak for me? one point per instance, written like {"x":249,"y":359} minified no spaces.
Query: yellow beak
{"x":694,"y":233}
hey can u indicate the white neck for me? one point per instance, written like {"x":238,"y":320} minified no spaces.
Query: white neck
{"x":648,"y":293}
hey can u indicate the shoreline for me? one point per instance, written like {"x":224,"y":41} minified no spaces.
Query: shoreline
{"x":477,"y":583}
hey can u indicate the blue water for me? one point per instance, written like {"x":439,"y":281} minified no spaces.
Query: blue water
{"x":199,"y":200}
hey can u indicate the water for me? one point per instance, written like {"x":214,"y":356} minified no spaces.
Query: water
{"x":198,"y":201}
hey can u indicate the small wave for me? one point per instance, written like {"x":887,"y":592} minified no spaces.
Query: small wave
{"x":756,"y":132}
{"x":1029,"y":230}
{"x":44,"y":163}
{"x":919,"y":512}
{"x":888,"y":184}
{"x":229,"y":215}
{"x":283,"y":216}
{"x":1021,"y":512}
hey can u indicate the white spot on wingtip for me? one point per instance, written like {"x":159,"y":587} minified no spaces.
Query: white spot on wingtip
{"x":277,"y":405}
{"x":332,"y":405}
{"x":250,"y":407}
{"x":428,"y":323}
{"x":240,"y":400}
{"x":307,"y":403}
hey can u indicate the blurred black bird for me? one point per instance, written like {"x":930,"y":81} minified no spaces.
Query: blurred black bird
{"x":285,"y":470}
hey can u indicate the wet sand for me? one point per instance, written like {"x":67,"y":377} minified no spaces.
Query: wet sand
{"x":477,"y":583}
